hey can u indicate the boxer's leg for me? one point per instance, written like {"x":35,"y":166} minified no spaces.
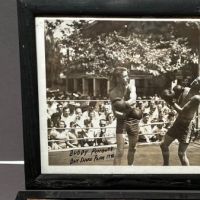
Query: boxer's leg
{"x":165,"y":148}
{"x":132,"y":129}
{"x":120,"y":142}
{"x":182,"y":153}
{"x":120,"y":149}
{"x":132,"y":148}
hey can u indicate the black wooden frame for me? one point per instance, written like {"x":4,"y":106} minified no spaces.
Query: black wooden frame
{"x":105,"y":194}
{"x":27,"y":11}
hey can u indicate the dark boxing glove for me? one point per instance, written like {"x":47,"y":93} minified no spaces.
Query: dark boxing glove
{"x":120,"y":108}
{"x":168,"y":95}
{"x":178,"y":90}
{"x":119,"y":105}
{"x":134,"y":113}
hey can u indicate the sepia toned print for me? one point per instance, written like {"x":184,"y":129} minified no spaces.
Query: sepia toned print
{"x":118,"y":93}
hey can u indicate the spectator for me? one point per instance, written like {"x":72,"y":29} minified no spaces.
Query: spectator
{"x":89,"y":132}
{"x":102,"y":112}
{"x":140,"y":105}
{"x":59,"y":108}
{"x":91,"y":107}
{"x":93,"y":118}
{"x":153,"y":112}
{"x":99,"y":113}
{"x":51,"y":107}
{"x":73,"y":134}
{"x":79,"y":120}
{"x":66,"y":117}
{"x":109,"y":136}
{"x":159,"y":130}
{"x":55,"y":118}
{"x":102,"y":125}
{"x":60,"y":134}
{"x":49,"y":126}
{"x":146,"y":132}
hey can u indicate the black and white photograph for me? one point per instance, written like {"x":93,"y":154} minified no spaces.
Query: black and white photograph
{"x":119,"y":95}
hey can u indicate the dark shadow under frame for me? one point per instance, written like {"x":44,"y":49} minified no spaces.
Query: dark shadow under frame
{"x":27,"y":11}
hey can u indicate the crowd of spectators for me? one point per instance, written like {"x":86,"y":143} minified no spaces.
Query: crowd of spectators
{"x":75,"y":120}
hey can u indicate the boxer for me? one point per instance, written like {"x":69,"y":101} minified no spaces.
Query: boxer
{"x":123,"y":97}
{"x":182,"y":127}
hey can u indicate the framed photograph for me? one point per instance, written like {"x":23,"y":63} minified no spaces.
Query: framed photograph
{"x":110,"y":94}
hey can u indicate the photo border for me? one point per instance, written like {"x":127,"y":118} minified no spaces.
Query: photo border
{"x":27,"y":11}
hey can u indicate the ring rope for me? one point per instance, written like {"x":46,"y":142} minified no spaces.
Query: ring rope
{"x":105,"y":127}
{"x":85,"y":100}
{"x":56,"y":140}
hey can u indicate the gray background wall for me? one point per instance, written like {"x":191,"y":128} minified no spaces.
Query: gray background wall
{"x":11,"y":142}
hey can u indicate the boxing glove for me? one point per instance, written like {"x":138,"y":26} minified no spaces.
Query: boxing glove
{"x":168,"y":95}
{"x":134,"y":113}
{"x":120,"y":108}
{"x":178,"y":90}
{"x":119,"y":105}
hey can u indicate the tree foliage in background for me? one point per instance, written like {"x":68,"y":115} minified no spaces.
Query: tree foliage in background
{"x":52,"y":53}
{"x":150,"y":47}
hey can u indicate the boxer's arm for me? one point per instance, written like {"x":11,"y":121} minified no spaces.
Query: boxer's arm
{"x":133,"y":96}
{"x":113,"y":96}
{"x":169,"y":96}
{"x":176,"y":107}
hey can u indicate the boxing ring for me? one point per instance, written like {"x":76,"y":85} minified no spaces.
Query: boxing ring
{"x":146,"y":154}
